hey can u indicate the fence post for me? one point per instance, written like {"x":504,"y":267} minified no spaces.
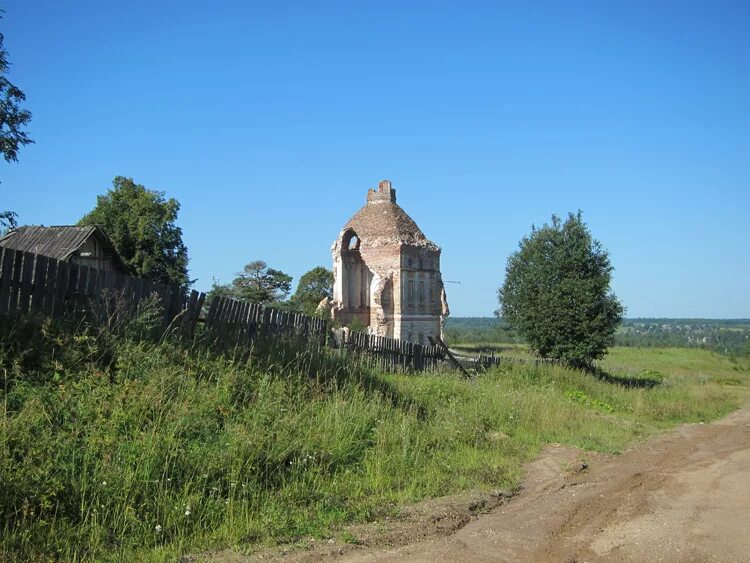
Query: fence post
{"x":6,"y":272}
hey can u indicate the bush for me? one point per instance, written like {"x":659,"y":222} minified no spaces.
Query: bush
{"x":556,"y":293}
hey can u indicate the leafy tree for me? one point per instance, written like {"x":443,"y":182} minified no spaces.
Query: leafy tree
{"x":356,"y":325}
{"x":13,"y":119}
{"x":256,"y":283}
{"x":557,"y":295}
{"x":313,"y":286}
{"x":141,"y":224}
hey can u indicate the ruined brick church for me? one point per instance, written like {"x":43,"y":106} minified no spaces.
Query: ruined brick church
{"x":387,"y":273}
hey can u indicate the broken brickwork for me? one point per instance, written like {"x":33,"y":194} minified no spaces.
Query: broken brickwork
{"x":387,"y":273}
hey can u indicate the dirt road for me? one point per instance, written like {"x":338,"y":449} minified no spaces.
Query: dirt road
{"x":684,"y":496}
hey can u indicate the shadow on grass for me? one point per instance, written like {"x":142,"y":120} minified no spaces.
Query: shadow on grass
{"x":484,"y":348}
{"x":647,"y":379}
{"x":287,"y":356}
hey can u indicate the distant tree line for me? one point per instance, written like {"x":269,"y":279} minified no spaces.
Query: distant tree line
{"x":726,"y":336}
{"x":479,"y":330}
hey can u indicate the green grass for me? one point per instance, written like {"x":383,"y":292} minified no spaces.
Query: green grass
{"x":684,"y":362}
{"x":509,"y":350}
{"x":118,"y":448}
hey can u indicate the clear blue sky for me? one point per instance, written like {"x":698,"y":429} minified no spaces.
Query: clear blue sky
{"x":269,"y":121}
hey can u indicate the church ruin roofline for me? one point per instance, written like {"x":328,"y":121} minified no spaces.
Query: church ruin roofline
{"x":382,"y":222}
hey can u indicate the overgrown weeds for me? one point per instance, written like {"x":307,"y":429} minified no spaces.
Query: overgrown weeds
{"x":118,"y":441}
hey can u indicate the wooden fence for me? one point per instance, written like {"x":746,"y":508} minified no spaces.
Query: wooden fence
{"x":240,"y":322}
{"x":392,"y":354}
{"x":237,"y":322}
{"x":31,"y":283}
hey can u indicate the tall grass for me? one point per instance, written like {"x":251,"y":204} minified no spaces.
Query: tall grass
{"x":114,"y":445}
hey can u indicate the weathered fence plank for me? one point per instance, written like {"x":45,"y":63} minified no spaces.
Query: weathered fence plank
{"x":27,"y":283}
{"x":49,"y":290}
{"x":40,"y":283}
{"x":6,"y":271}
{"x":15,"y":282}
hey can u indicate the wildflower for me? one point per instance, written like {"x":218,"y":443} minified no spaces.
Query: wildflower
{"x":187,"y":512}
{"x":104,"y":482}
{"x":158,"y":528}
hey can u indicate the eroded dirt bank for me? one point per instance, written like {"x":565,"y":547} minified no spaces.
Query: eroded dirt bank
{"x":683,"y":496}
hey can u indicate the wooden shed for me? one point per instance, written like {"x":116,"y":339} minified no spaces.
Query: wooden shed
{"x":87,"y":246}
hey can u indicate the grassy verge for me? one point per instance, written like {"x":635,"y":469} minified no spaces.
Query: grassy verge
{"x":135,"y":449}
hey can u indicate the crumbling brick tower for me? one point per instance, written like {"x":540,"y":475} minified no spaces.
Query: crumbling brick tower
{"x":387,"y":273}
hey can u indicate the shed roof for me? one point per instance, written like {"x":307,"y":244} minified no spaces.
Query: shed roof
{"x":59,"y":242}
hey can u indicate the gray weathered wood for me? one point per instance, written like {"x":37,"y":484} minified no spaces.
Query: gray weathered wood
{"x":15,"y":282}
{"x":27,"y":282}
{"x":50,"y":287}
{"x":40,"y":284}
{"x":6,"y":272}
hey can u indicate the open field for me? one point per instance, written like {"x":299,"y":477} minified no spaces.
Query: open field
{"x":688,"y":362}
{"x":693,"y":362}
{"x":122,"y":448}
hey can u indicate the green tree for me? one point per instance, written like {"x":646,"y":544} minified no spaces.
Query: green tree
{"x":313,"y":287}
{"x":13,"y":119}
{"x":256,"y":283}
{"x":557,"y":295}
{"x":141,"y":224}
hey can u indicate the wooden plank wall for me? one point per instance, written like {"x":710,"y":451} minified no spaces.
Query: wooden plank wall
{"x":392,"y":354}
{"x":235,"y":322}
{"x":238,"y":322}
{"x":30,"y":283}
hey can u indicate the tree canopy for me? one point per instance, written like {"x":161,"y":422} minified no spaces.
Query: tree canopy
{"x":556,"y":293}
{"x":313,"y":287}
{"x":256,"y":283}
{"x":13,"y":119}
{"x":142,"y":226}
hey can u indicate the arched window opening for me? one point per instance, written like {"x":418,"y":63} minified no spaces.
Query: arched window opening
{"x":350,"y":240}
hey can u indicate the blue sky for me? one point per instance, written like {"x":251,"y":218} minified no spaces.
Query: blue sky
{"x":269,"y":121}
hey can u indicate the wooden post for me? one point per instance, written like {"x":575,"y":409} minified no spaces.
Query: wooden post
{"x":450,"y":355}
{"x":6,"y":272}
{"x":40,"y":283}
{"x":27,"y":284}
{"x":15,"y":282}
